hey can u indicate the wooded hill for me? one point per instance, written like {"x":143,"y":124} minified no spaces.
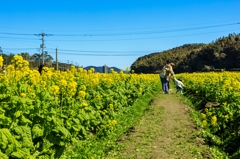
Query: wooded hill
{"x":223,"y":53}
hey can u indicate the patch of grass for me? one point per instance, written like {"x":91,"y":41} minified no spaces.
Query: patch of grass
{"x":140,"y":143}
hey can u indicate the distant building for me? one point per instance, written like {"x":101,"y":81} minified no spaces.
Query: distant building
{"x":105,"y":69}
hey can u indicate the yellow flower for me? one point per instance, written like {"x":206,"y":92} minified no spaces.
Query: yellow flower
{"x":111,"y":106}
{"x":55,"y":89}
{"x":209,"y":113}
{"x":84,"y":104}
{"x":23,"y":95}
{"x":214,"y":120}
{"x":1,"y":61}
{"x":80,"y":70}
{"x":82,"y":94}
{"x":92,"y":69}
{"x":204,"y":122}
{"x":203,"y":115}
{"x":114,"y":122}
{"x":63,"y":83}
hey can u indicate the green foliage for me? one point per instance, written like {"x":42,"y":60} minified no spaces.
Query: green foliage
{"x":224,"y":53}
{"x":21,"y":153}
{"x":8,"y":143}
{"x":24,"y":136}
{"x":37,"y":131}
{"x":3,"y":156}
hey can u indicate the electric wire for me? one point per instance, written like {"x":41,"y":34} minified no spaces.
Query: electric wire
{"x":132,"y":33}
{"x":168,"y":26}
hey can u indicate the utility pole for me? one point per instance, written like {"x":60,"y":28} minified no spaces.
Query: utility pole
{"x":56,"y":58}
{"x":42,"y":46}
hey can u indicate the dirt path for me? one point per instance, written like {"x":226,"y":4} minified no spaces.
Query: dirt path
{"x":164,"y":132}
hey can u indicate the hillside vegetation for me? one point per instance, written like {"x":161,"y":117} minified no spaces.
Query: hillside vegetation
{"x":223,"y":53}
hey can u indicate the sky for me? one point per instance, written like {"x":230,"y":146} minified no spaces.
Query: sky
{"x":112,"y":32}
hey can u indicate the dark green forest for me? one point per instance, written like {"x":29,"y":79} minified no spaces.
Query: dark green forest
{"x":223,"y":53}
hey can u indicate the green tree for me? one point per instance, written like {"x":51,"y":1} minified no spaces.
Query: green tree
{"x":38,"y":57}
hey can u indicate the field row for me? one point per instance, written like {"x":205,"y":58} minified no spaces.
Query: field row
{"x":43,"y":114}
{"x":217,"y":97}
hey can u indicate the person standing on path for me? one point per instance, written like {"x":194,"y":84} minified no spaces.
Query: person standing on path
{"x":161,"y":74}
{"x":165,"y":76}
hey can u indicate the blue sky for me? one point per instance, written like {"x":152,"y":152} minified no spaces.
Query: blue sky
{"x":115,"y":33}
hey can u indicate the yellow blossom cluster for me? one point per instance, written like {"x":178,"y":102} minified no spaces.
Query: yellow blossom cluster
{"x":214,"y":120}
{"x":112,"y":123}
{"x":55,"y":89}
{"x":1,"y":61}
{"x":81,"y":94}
{"x":111,"y":106}
{"x":84,"y":104}
{"x":19,"y":62}
{"x":23,"y":95}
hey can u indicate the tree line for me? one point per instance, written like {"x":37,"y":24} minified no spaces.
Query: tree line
{"x":34,"y":60}
{"x":223,"y":53}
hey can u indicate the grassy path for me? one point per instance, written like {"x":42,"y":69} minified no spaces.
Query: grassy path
{"x":164,"y":132}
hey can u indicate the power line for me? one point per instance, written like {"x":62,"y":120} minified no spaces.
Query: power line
{"x":148,"y":32}
{"x":88,"y":54}
{"x":136,"y":38}
{"x":139,"y":38}
{"x":15,"y":33}
{"x":89,"y":51}
{"x":2,"y":37}
{"x":20,"y":48}
{"x":131,"y":33}
{"x":191,"y":24}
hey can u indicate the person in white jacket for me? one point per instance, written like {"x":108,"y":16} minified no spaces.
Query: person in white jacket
{"x":179,"y":85}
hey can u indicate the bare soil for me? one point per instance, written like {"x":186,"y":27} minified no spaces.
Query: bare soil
{"x":166,"y":131}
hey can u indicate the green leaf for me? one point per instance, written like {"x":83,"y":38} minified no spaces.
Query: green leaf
{"x":17,"y":113}
{"x":25,"y":121}
{"x":8,"y":142}
{"x":64,"y":133}
{"x":3,"y":156}
{"x":26,"y":137}
{"x":21,"y":153}
{"x":37,"y":131}
{"x":6,"y":121}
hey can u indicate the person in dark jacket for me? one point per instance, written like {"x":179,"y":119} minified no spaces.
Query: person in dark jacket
{"x":40,"y":68}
